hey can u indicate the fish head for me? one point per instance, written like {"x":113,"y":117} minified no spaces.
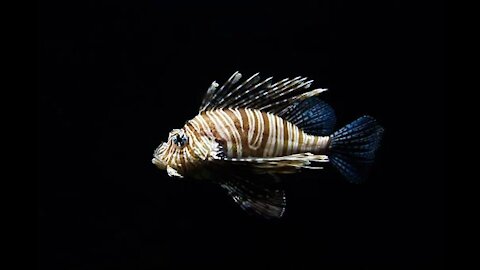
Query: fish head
{"x":165,"y":157}
{"x":159,"y":156}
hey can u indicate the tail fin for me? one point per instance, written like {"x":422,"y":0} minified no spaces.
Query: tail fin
{"x":353,"y":148}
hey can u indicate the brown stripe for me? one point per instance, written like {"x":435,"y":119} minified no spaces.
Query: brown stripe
{"x":264,"y":136}
{"x":275,"y":138}
{"x":211,"y":125}
{"x":244,"y":133}
{"x":300,"y":139}
{"x":281,"y":131}
{"x":255,"y":127}
{"x":285,"y":138}
{"x":233,"y":126}
{"x":229,"y":139}
{"x":239,"y":122}
{"x":183,"y":161}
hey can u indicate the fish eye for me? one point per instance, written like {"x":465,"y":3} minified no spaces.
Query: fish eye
{"x":180,"y":139}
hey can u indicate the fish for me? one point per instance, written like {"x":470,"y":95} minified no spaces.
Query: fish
{"x":250,"y":134}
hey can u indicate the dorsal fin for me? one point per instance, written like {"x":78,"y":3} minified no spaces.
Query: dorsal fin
{"x":256,"y":93}
{"x":312,"y":115}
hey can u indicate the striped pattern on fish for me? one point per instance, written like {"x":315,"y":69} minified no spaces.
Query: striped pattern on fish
{"x":253,"y":133}
{"x":242,"y":133}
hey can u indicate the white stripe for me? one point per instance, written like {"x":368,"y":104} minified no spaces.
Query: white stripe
{"x":236,"y":135}
{"x":290,"y":139}
{"x":268,"y":151}
{"x":251,"y":126}
{"x":310,"y":142}
{"x":259,"y":127}
{"x":205,"y":126}
{"x":305,"y":143}
{"x":221,"y":130}
{"x":295,"y":139}
{"x":185,"y":158}
{"x":274,"y":135}
{"x":171,"y":151}
{"x":237,"y":113}
{"x":207,"y":130}
{"x":279,"y":142}
{"x":198,"y":148}
{"x":195,"y":125}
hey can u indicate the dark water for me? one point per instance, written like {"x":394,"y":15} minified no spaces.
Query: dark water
{"x":115,"y":77}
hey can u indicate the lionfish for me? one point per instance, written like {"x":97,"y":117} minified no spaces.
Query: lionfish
{"x":248,"y":132}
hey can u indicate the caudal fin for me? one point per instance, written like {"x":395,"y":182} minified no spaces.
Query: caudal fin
{"x":352,"y":148}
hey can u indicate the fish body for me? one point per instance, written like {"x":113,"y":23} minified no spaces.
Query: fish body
{"x":247,"y":133}
{"x":242,"y":134}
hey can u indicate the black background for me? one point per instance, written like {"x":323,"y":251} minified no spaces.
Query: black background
{"x":116,"y":76}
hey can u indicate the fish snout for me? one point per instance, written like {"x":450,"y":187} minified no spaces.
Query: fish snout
{"x":157,"y":162}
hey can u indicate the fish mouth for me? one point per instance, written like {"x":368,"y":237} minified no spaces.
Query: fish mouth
{"x":157,"y":162}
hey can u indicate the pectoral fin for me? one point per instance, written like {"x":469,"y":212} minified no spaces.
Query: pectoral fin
{"x":252,"y":182}
{"x":255,"y":196}
{"x":275,"y":165}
